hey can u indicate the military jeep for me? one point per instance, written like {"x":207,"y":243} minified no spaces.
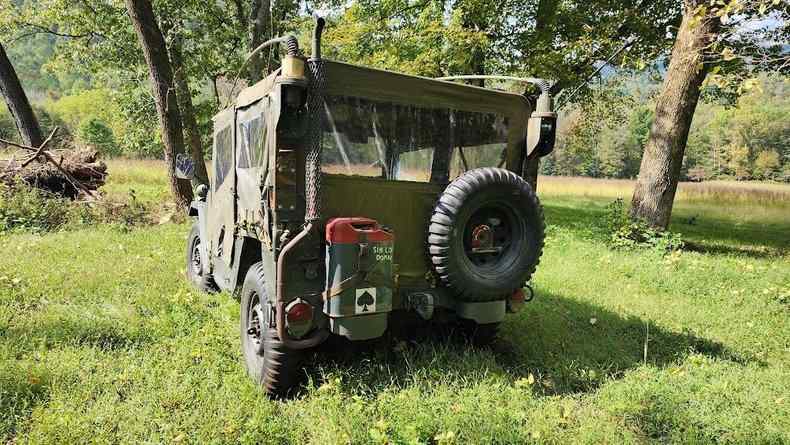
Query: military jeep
{"x":345,"y":200}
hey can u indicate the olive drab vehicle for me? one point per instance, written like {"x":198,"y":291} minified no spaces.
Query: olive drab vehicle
{"x":344,"y":200}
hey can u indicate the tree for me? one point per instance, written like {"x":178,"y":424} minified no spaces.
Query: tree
{"x":659,"y":171}
{"x":98,"y":36}
{"x":260,"y":18}
{"x":18,"y":105}
{"x":191,"y":130}
{"x":767,"y":164}
{"x":699,"y":38}
{"x":162,"y":83}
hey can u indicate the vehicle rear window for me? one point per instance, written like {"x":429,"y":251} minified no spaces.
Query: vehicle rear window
{"x":408,"y":143}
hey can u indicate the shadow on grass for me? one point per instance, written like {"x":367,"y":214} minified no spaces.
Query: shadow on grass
{"x":553,"y":339}
{"x":751,"y":251}
{"x":106,"y":334}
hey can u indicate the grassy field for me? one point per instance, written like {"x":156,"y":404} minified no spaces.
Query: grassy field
{"x":102,"y":341}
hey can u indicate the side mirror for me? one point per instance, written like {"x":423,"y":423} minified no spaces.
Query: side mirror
{"x":185,"y":166}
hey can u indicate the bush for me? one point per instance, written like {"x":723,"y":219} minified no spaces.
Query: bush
{"x":27,"y":208}
{"x":625,"y":233}
{"x":96,"y":134}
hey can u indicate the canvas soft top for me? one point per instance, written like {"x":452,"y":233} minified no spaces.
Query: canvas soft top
{"x":345,"y":79}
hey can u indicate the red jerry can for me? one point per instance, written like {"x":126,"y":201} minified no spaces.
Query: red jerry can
{"x":358,"y":293}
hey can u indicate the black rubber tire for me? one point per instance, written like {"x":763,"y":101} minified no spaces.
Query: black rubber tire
{"x":270,"y":364}
{"x":202,"y":281}
{"x":495,"y":190}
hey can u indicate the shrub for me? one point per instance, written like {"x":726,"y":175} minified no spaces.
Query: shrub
{"x":23,"y":207}
{"x":625,"y":233}
{"x":121,"y":214}
{"x":29,"y":209}
{"x":96,"y":134}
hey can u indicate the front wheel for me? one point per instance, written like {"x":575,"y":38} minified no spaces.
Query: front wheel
{"x":269,"y":363}
{"x":195,"y":271}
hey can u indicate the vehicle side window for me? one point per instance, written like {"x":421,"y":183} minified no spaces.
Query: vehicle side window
{"x":251,"y":147}
{"x":481,"y":142}
{"x":223,"y":155}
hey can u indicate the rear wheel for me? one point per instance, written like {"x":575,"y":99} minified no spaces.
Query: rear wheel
{"x":269,"y":363}
{"x":195,"y":271}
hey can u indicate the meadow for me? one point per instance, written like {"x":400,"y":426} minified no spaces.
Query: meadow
{"x":103,"y":341}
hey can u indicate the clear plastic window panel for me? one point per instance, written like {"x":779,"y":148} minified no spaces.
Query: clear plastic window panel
{"x":252,"y":135}
{"x":223,"y":155}
{"x":408,"y":143}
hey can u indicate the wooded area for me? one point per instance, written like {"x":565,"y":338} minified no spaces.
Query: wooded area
{"x":191,"y":52}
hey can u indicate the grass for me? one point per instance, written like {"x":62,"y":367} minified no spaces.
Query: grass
{"x":102,"y":341}
{"x":145,"y":178}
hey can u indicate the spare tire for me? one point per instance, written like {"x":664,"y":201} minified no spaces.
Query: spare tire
{"x":486,"y":234}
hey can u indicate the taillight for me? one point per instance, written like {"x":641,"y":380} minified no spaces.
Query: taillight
{"x":519,"y":297}
{"x":299,"y":318}
{"x":516,"y":301}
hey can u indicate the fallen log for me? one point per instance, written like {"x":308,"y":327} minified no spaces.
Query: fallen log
{"x":71,"y":173}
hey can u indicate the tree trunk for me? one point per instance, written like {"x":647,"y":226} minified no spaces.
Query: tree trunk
{"x":18,"y":105}
{"x":660,"y":169}
{"x":260,"y":19}
{"x":191,"y":132}
{"x":155,"y":51}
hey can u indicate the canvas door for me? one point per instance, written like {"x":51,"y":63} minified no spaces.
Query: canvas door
{"x":222,"y":211}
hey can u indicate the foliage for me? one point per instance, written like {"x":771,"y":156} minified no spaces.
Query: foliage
{"x":727,"y":141}
{"x":98,"y":41}
{"x":7,"y":126}
{"x":551,"y":39}
{"x":122,"y":214}
{"x":30,"y":209}
{"x":626,"y":233}
{"x":752,"y":39}
{"x":429,"y":43}
{"x":96,"y":134}
{"x":746,"y":140}
{"x":591,"y":139}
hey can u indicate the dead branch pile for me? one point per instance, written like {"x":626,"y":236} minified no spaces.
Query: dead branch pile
{"x":73,"y":173}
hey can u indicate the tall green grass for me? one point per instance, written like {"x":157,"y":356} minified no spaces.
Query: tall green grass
{"x":102,"y":341}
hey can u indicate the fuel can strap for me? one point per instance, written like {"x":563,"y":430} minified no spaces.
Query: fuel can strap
{"x":355,"y":281}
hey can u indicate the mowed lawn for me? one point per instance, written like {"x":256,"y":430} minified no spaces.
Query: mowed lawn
{"x":102,"y":341}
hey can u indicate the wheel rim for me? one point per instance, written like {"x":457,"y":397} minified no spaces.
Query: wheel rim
{"x":196,"y":264}
{"x":255,"y":323}
{"x":492,"y":236}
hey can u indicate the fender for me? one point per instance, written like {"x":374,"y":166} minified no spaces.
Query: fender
{"x":246,"y":252}
{"x":198,"y":209}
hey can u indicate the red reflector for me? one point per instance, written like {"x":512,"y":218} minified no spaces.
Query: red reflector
{"x":299,"y":312}
{"x":516,"y":301}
